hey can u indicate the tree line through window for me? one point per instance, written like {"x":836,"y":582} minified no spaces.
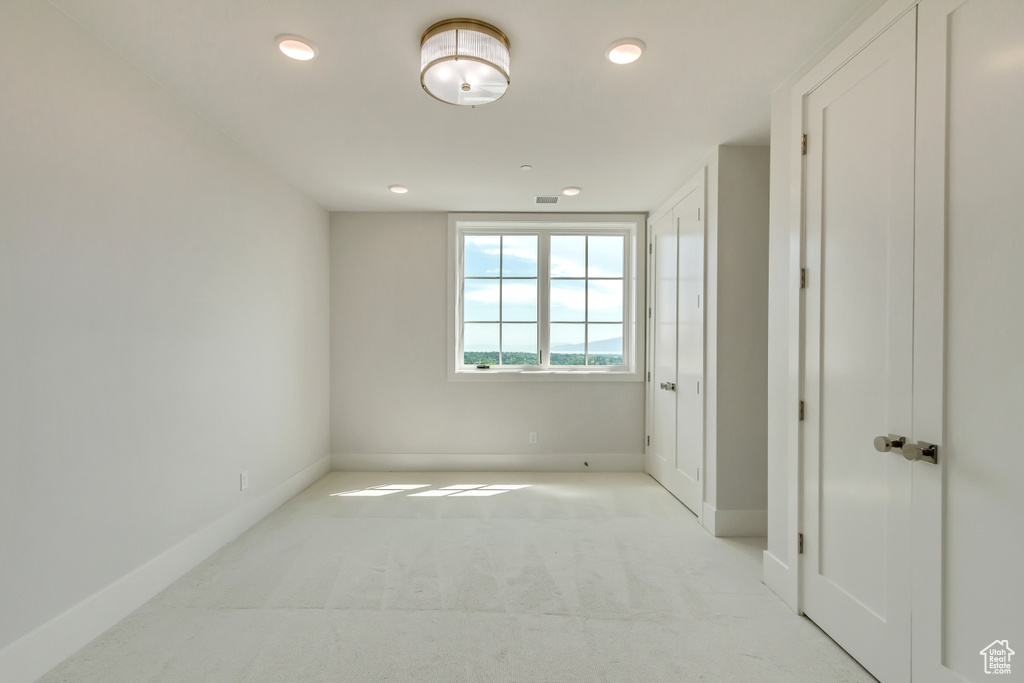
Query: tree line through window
{"x":583,"y":283}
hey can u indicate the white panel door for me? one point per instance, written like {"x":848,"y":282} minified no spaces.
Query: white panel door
{"x":677,"y":446}
{"x":859,"y":194}
{"x":664,"y":276}
{"x":968,"y":588}
{"x":683,"y":480}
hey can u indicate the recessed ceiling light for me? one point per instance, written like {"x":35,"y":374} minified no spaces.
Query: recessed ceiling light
{"x":571,"y":191}
{"x":625,"y":51}
{"x":296,"y":47}
{"x":526,"y":167}
{"x":398,"y":189}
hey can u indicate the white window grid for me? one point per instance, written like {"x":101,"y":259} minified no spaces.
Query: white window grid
{"x":586,"y":279}
{"x":544,"y":230}
{"x":500,"y":278}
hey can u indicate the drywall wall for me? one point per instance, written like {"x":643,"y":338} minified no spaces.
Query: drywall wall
{"x":777,"y":555}
{"x":735,"y":338}
{"x":164,"y":308}
{"x":736,"y":271}
{"x":740,"y":219}
{"x":390,"y":395}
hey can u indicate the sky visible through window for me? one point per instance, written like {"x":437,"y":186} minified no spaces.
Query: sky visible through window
{"x":500,"y":295}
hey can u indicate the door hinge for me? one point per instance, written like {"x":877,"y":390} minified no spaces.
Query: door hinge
{"x":698,"y":474}
{"x":648,"y":440}
{"x":650,"y":248}
{"x":801,"y":411}
{"x":803,"y":144}
{"x":698,"y":213}
{"x":698,"y":387}
{"x":803,"y":278}
{"x":648,"y":312}
{"x":799,"y":544}
{"x":648,"y":376}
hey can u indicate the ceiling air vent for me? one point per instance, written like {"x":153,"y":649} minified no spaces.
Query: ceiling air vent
{"x":547,"y":200}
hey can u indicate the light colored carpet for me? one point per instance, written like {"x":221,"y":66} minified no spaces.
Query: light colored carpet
{"x":576,"y":577}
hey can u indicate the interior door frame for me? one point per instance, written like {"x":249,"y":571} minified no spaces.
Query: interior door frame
{"x":929,"y":316}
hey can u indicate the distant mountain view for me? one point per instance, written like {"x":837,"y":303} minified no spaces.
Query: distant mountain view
{"x":605,"y":346}
{"x":606,"y":352}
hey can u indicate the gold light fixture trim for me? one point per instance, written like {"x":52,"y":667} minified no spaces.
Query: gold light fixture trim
{"x":464,"y":62}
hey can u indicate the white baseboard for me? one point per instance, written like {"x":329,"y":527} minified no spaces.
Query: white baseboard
{"x":735,"y":523}
{"x":32,"y":655}
{"x":779,"y":580}
{"x":476,"y":462}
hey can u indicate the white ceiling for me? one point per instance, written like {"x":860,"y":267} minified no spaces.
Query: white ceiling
{"x":353,"y":121}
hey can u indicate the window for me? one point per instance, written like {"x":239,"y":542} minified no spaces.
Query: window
{"x":544,"y":297}
{"x":499,"y":300}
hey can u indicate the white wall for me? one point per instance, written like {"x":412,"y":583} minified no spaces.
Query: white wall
{"x":736,"y":272}
{"x":779,"y":543}
{"x":740,"y":222}
{"x":735,"y":337}
{"x":163,"y":321}
{"x":392,"y":404}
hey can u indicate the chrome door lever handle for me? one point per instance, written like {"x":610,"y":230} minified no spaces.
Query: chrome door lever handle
{"x":893,"y":442}
{"x":923,"y":451}
{"x":668,"y":386}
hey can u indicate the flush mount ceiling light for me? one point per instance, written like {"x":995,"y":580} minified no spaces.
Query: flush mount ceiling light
{"x":571,"y":191}
{"x":398,"y":189}
{"x":625,"y":51}
{"x":296,"y":47}
{"x":464,"y":62}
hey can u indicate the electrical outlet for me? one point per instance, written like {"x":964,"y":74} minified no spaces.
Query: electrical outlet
{"x":533,"y":437}
{"x":245,"y":480}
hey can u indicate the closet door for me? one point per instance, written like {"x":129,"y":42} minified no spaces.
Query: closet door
{"x":685,"y":477}
{"x":859,"y":213}
{"x":969,"y":373}
{"x":676,"y":453}
{"x":664,"y":274}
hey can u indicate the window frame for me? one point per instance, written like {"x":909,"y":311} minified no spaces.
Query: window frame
{"x":630,"y":226}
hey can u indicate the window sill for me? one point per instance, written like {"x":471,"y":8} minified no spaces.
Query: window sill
{"x":519,"y":375}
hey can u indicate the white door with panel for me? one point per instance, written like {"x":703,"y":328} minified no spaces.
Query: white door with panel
{"x":676,"y":454}
{"x":918,"y":583}
{"x":858,"y":362}
{"x":663,"y":273}
{"x":968,"y":363}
